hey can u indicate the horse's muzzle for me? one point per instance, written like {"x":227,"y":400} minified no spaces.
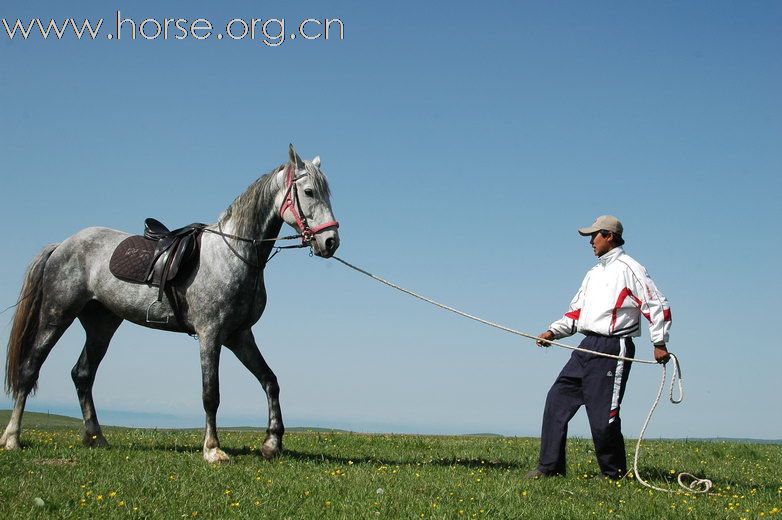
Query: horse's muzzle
{"x":325,"y":244}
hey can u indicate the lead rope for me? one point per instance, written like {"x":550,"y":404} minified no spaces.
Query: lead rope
{"x":696,"y":486}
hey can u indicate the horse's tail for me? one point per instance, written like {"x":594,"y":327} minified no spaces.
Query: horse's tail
{"x":25,"y":322}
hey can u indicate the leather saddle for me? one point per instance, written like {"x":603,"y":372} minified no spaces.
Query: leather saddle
{"x":157,"y":258}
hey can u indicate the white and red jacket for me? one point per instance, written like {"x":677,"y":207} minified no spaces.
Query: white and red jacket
{"x":612,"y":297}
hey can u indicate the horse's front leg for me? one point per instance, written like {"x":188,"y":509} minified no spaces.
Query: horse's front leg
{"x":243,"y":345}
{"x":210,"y":364}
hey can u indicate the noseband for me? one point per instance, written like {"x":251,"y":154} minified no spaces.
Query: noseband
{"x":291,"y":195}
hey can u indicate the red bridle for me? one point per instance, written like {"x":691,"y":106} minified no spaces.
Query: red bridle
{"x":307,"y":233}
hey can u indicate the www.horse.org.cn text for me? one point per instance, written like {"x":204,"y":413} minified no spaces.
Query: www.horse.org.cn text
{"x":269,"y":31}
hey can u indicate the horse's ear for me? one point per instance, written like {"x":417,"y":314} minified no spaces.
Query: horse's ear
{"x":294,"y":157}
{"x":316,"y":161}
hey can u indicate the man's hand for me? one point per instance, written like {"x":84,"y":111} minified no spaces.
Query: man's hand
{"x":544,"y":339}
{"x":661,"y":354}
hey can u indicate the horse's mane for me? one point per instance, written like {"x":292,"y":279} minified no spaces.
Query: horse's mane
{"x":253,"y":204}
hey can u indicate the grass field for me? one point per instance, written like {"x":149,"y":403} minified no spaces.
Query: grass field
{"x":160,"y":474}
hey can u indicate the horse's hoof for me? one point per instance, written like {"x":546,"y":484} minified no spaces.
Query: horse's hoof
{"x":10,"y":444}
{"x":95,"y":440}
{"x":216,"y":456}
{"x":272,"y":447}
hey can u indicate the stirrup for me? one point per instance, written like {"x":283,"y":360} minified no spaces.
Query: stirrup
{"x":155,"y":321}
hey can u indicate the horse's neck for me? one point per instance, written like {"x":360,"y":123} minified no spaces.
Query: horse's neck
{"x":271,"y":231}
{"x":266,"y":226}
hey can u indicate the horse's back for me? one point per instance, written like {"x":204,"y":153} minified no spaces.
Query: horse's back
{"x":79,"y":263}
{"x":89,"y":245}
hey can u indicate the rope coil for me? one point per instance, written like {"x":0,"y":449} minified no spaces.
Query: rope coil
{"x":697,"y":485}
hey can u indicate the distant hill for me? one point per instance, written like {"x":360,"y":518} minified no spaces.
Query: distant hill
{"x":41,"y":420}
{"x":298,"y":429}
{"x":46,"y":420}
{"x":738,"y":440}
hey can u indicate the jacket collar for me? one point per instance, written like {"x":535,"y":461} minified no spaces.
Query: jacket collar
{"x":610,"y":256}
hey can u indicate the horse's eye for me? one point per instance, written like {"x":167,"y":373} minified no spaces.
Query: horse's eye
{"x":308,"y":192}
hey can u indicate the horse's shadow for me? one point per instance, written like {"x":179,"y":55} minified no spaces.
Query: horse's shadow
{"x":321,"y":458}
{"x":406,"y":461}
{"x":653,"y":474}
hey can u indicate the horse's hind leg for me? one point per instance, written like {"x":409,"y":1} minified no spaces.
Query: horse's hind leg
{"x":100,"y":324}
{"x":10,"y":438}
{"x":210,"y":364}
{"x":47,"y":336}
{"x":243,"y":345}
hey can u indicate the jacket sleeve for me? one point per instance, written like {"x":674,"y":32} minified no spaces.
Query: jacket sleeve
{"x":567,"y":325}
{"x":654,"y":307}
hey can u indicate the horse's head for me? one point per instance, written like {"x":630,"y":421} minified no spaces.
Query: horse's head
{"x":306,"y":204}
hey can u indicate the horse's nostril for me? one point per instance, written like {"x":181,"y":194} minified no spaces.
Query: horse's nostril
{"x":329,"y":243}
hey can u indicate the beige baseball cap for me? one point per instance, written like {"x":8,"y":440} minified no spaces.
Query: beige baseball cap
{"x":603,"y":222}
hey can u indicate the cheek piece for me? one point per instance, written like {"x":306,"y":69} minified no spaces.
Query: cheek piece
{"x":291,"y":194}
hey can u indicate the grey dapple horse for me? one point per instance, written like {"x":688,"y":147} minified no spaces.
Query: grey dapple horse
{"x":221,"y":298}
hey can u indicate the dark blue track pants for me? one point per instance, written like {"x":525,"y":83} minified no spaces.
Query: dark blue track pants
{"x":599,"y":384}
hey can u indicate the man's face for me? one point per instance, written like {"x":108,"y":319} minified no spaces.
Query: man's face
{"x":601,"y":244}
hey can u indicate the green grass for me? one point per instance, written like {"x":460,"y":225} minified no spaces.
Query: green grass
{"x":160,"y":474}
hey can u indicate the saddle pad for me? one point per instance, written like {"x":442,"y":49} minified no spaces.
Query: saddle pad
{"x":132,"y":259}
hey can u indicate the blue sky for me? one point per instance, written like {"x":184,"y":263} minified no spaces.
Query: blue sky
{"x":464,"y":145}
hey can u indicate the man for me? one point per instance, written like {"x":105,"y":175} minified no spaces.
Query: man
{"x":607,"y":310}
